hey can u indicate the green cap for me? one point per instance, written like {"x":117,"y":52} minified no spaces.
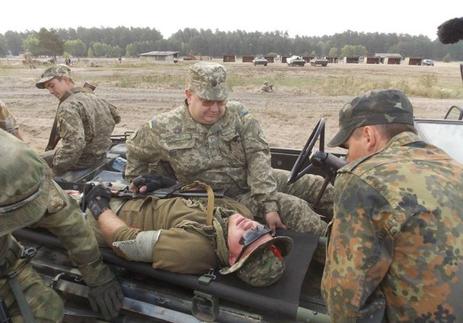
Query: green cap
{"x":24,"y":179}
{"x":52,"y":72}
{"x":207,"y":80}
{"x":262,"y":267}
{"x":372,"y":108}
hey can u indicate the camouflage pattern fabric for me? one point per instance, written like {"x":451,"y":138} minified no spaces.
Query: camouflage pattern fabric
{"x":373,"y":108}
{"x":58,"y":213}
{"x":7,"y":120}
{"x":396,"y":243}
{"x":207,"y":80}
{"x":85,"y":124}
{"x":52,"y":72}
{"x":45,"y":304}
{"x":232,"y":155}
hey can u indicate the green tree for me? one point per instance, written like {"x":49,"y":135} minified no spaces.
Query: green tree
{"x":3,"y":46}
{"x":14,"y":42}
{"x":90,"y":52}
{"x":333,"y":52}
{"x":75,"y":47}
{"x":447,"y":58}
{"x":359,"y":50}
{"x":50,"y":43}
{"x":131,"y":50}
{"x":32,"y":45}
{"x":347,"y":51}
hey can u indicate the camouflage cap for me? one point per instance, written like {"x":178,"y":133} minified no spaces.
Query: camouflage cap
{"x":52,"y":72}
{"x":372,"y":108}
{"x":262,"y":267}
{"x":24,"y":179}
{"x":207,"y":80}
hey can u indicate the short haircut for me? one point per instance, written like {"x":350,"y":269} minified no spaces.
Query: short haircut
{"x":388,"y":130}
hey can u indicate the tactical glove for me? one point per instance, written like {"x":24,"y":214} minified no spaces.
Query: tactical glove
{"x":153,"y":182}
{"x":106,"y":299}
{"x":96,"y":198}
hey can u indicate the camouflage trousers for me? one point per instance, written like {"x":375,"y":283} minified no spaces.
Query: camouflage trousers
{"x":295,"y":201}
{"x":45,"y":304}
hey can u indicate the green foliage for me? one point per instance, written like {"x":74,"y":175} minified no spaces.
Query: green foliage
{"x":14,"y":42}
{"x":447,"y":58}
{"x":333,"y":52}
{"x":32,"y":45}
{"x":50,"y":43}
{"x":3,"y":47}
{"x":75,"y":47}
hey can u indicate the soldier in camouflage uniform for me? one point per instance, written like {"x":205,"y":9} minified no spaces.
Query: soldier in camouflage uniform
{"x":85,"y":122}
{"x":395,"y":249}
{"x":8,"y":122}
{"x":184,"y":236}
{"x":28,"y":197}
{"x":220,"y":143}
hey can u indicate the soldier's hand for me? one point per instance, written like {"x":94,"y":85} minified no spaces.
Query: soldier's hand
{"x":149,"y":183}
{"x":96,"y":198}
{"x":106,"y":299}
{"x":274,"y":221}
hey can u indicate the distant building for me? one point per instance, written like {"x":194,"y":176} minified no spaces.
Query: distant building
{"x":371,"y":60}
{"x":161,"y":55}
{"x":351,"y":60}
{"x":413,"y":60}
{"x":229,"y":58}
{"x":389,"y":58}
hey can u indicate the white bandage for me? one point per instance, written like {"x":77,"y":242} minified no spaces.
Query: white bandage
{"x":141,"y":248}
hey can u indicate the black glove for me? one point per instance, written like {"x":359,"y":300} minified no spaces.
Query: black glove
{"x":96,"y":198}
{"x":106,"y":299}
{"x":153,"y":182}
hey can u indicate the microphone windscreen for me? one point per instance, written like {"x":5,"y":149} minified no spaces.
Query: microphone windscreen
{"x":451,"y":31}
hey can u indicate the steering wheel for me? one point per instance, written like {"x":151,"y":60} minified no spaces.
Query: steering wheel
{"x":303,"y":165}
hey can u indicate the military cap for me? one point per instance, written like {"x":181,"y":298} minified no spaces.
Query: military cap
{"x":52,"y":72}
{"x":373,"y":108}
{"x":25,"y":183}
{"x":207,"y":80}
{"x":261,"y":267}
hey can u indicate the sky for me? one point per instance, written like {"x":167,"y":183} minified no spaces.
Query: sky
{"x":297,"y":17}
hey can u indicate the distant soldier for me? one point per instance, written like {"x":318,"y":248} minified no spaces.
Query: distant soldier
{"x":267,"y":87}
{"x":219,"y":142}
{"x":8,"y":122}
{"x":395,"y":252}
{"x":29,"y":197}
{"x":83,"y":122}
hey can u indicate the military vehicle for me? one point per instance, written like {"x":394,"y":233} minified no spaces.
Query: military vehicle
{"x":260,"y":60}
{"x":159,"y":296}
{"x":295,"y":61}
{"x":318,"y":61}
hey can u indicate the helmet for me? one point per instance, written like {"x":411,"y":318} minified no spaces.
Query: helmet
{"x":24,"y":185}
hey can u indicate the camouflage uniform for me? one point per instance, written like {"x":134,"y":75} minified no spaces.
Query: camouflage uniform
{"x":231,"y":154}
{"x":185,"y":242}
{"x":85,"y":123}
{"x":40,"y":203}
{"x":7,"y":120}
{"x":395,"y":249}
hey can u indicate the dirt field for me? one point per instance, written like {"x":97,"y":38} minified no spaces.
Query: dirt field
{"x":301,"y":97}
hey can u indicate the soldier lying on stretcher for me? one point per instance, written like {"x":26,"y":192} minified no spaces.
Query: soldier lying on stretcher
{"x":184,"y":236}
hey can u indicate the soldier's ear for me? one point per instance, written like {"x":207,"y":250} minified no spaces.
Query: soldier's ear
{"x":188,"y":94}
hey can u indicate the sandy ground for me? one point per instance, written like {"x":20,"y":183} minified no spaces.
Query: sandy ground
{"x":287,"y":116}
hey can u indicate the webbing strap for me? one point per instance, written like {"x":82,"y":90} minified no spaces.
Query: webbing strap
{"x":210,"y":198}
{"x":24,"y":307}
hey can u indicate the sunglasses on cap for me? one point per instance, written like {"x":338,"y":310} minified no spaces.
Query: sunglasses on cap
{"x":251,"y":236}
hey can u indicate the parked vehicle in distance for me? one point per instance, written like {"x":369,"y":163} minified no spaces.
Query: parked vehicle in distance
{"x":260,"y":60}
{"x":319,"y":62}
{"x":295,"y":61}
{"x":427,"y":62}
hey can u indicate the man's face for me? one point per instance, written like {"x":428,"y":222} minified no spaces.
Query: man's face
{"x":59,"y":86}
{"x":204,"y":111}
{"x":238,"y":226}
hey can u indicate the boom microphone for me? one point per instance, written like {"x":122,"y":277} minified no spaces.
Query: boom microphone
{"x":451,"y":31}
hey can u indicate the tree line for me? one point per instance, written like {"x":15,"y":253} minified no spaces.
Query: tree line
{"x":130,"y":42}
